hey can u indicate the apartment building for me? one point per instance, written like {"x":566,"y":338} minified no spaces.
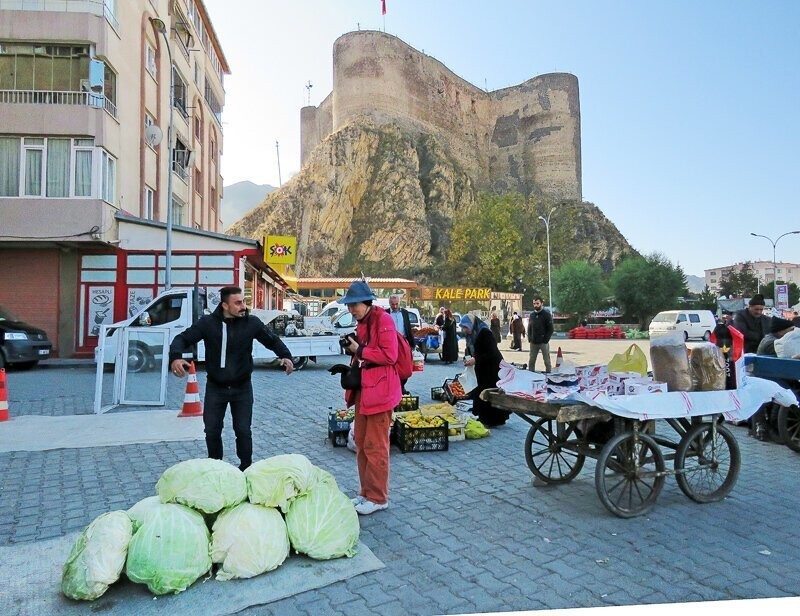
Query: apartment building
{"x":85,"y":169}
{"x":764,"y":271}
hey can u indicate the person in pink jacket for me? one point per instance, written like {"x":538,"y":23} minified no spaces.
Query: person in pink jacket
{"x":375,"y":347}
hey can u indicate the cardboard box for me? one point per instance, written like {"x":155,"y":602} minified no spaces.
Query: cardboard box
{"x":593,"y":370}
{"x":616,"y":381}
{"x":653,"y":387}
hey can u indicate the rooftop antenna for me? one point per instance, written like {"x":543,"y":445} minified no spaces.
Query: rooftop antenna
{"x":309,"y":85}
{"x":278,"y":152}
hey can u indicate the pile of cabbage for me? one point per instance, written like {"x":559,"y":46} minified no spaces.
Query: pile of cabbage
{"x":209,"y":512}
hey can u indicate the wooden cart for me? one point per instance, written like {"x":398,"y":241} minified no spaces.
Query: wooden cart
{"x":784,"y":420}
{"x":631,"y":457}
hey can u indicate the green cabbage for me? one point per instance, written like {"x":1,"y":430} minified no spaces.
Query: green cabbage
{"x":170,"y":550}
{"x":323,"y":523}
{"x":278,"y":480}
{"x":248,"y":540}
{"x":205,"y":484}
{"x":142,"y":509}
{"x":97,"y":558}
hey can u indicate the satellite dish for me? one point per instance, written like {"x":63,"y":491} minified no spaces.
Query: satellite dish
{"x":153,"y":135}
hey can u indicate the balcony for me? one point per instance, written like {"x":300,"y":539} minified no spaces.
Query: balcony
{"x":56,"y":97}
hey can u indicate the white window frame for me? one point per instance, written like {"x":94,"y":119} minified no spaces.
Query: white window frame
{"x":108,"y":178}
{"x":75,"y":146}
{"x":23,"y":183}
{"x":149,"y":203}
{"x":150,"y":60}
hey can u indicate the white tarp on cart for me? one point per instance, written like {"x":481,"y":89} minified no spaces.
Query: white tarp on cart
{"x":734,"y":404}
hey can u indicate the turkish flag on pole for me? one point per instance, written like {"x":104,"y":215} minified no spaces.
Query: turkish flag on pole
{"x":383,"y":7}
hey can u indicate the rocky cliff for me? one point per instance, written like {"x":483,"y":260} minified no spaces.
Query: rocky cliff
{"x":383,"y":200}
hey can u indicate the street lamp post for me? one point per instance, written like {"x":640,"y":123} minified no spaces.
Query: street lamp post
{"x":161,"y":27}
{"x":774,"y":263}
{"x":546,"y":222}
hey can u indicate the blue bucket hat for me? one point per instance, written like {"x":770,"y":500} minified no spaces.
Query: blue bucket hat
{"x":359,"y":291}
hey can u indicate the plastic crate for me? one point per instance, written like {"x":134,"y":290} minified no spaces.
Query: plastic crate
{"x":460,"y":433}
{"x":449,"y":396}
{"x":407,"y":403}
{"x":339,"y":438}
{"x":335,"y":424}
{"x":421,"y":439}
{"x":437,"y":393}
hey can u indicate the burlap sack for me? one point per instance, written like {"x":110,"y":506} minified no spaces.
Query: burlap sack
{"x":670,"y":363}
{"x":708,"y":368}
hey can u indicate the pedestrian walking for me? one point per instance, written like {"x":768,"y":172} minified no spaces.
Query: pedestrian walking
{"x":403,"y":324}
{"x":450,"y":344}
{"x":374,"y":349}
{"x":540,"y":330}
{"x":517,"y":329}
{"x":228,"y":334}
{"x":494,"y":325}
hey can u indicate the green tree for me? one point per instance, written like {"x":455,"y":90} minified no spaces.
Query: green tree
{"x":706,"y":299}
{"x":740,"y":282}
{"x":794,"y":291}
{"x":643,"y":286}
{"x":580,"y":288}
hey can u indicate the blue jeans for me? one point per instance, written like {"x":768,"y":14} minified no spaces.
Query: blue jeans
{"x":240,"y":398}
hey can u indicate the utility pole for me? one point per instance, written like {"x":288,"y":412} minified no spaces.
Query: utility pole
{"x":278,"y":152}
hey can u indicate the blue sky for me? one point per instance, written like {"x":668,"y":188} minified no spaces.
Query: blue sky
{"x":689,"y":109}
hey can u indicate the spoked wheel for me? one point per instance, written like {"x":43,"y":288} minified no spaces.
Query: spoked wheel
{"x":545,"y":453}
{"x":789,"y":426}
{"x":707,"y":462}
{"x":629,"y":474}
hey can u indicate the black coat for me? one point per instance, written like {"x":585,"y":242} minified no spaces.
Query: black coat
{"x":494,"y":325}
{"x":752,"y":328}
{"x":240,"y":333}
{"x":487,"y":368}
{"x":450,"y":344}
{"x":540,"y":327}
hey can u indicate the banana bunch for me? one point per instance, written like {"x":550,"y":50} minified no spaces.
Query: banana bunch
{"x":418,"y":420}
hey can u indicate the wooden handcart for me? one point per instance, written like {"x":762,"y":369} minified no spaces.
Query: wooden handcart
{"x":784,"y":420}
{"x":631,"y":458}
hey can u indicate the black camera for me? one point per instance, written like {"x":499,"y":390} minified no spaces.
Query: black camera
{"x":344,"y":341}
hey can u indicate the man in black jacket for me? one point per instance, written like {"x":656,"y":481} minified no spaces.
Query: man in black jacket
{"x":403,"y":323}
{"x":540,"y":330}
{"x":228,"y":334}
{"x":752,"y":323}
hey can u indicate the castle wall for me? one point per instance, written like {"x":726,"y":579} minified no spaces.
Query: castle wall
{"x":525,"y":138}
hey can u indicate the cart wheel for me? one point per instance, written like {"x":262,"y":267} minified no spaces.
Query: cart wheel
{"x":629,"y":474}
{"x":545,"y":453}
{"x":789,"y":426}
{"x":707,"y":463}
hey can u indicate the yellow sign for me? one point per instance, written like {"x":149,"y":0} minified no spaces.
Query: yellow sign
{"x":290,"y":277}
{"x":462,"y":294}
{"x":280,"y":249}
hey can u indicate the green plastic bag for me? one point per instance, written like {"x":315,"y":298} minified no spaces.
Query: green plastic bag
{"x":632,"y":360}
{"x":475,"y":429}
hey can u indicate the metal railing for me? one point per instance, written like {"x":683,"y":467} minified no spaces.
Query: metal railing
{"x":57,"y":97}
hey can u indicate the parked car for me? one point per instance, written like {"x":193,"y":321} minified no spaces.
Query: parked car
{"x":21,"y":344}
{"x":690,"y":323}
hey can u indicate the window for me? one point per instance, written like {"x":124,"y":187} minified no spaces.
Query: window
{"x":109,"y":176}
{"x":198,"y":129}
{"x":198,"y":75}
{"x":179,"y":92}
{"x":213,"y":101}
{"x":148,"y":205}
{"x":694,"y":318}
{"x":178,"y":211}
{"x":46,"y":167}
{"x":182,"y":159}
{"x":148,"y":122}
{"x":214,"y":152}
{"x":150,"y":60}
{"x":43,"y":67}
{"x":198,"y":181}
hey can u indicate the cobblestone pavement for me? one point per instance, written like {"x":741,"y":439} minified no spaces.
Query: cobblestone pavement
{"x":466,"y":531}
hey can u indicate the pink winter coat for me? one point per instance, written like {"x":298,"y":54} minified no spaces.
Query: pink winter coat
{"x":380,"y":386}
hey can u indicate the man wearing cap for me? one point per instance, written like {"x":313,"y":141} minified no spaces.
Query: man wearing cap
{"x":375,"y":350}
{"x":752,"y":323}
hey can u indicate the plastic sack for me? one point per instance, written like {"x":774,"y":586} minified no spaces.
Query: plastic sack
{"x":248,"y":540}
{"x":323,"y":523}
{"x":789,"y":345}
{"x":205,"y":484}
{"x":671,"y":362}
{"x":418,"y":360}
{"x":97,"y":557}
{"x":468,"y":379}
{"x":475,"y":429}
{"x":170,"y":551}
{"x":515,"y":382}
{"x":632,"y":360}
{"x":708,"y":368}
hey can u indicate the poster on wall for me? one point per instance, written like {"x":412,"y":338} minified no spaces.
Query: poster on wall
{"x":138,"y":299}
{"x":212,"y":298}
{"x":101,"y":308}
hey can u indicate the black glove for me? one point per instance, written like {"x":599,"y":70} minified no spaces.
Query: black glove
{"x":339,"y":369}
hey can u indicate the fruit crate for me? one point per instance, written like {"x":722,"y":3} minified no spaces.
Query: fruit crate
{"x":336,"y":423}
{"x":339,"y":437}
{"x":407,"y":403}
{"x":421,"y":439}
{"x":459,"y":435}
{"x":437,"y":393}
{"x":452,"y":396}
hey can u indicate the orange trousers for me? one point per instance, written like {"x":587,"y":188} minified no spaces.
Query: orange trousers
{"x":372,"y":455}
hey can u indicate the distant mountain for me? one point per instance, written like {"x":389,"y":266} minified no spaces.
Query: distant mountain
{"x":695,"y":284}
{"x":240,"y":198}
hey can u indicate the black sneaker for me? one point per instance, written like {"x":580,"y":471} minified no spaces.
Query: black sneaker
{"x":760,"y":433}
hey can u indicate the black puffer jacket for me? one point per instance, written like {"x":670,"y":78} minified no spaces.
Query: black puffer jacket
{"x":540,"y":327}
{"x":231,"y":363}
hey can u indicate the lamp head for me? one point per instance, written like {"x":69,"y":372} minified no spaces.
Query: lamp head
{"x":159,"y":25}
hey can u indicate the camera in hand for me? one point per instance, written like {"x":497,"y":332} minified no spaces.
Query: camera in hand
{"x":344,"y":341}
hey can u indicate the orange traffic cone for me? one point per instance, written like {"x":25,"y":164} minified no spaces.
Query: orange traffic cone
{"x":191,"y":401}
{"x":3,"y":396}
{"x":559,"y":358}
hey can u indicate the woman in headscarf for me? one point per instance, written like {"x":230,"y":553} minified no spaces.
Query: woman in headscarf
{"x":494,"y":325}
{"x":482,"y":352}
{"x":450,"y":346}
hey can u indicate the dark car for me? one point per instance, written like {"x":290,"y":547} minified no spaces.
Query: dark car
{"x":20,"y":343}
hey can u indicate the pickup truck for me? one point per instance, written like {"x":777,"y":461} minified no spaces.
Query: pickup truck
{"x":178,"y":308}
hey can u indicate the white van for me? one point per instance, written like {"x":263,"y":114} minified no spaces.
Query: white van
{"x":344,"y":323}
{"x":693,"y":323}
